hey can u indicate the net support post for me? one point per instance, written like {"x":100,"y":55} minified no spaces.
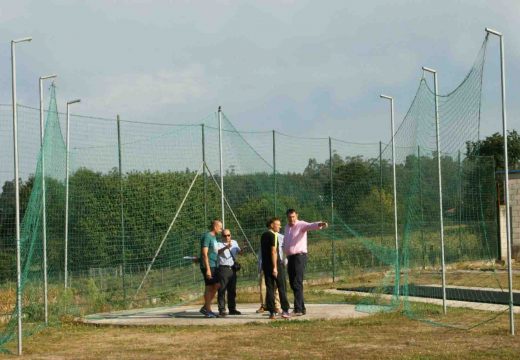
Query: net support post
{"x":421,"y":202}
{"x":439,"y":174}
{"x":17,"y":194}
{"x":275,"y":205}
{"x":122,"y":208}
{"x":331,"y":174}
{"x":381,"y":207}
{"x":459,"y":163}
{"x":67,"y":160}
{"x":204,"y":177}
{"x":44,"y":203}
{"x":392,"y":129}
{"x":221,"y":167}
{"x":506,"y":178}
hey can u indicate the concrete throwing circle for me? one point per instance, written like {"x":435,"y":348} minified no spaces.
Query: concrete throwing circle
{"x":190,"y":315}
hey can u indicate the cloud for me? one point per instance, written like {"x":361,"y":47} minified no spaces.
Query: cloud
{"x":285,"y":65}
{"x":144,"y":91}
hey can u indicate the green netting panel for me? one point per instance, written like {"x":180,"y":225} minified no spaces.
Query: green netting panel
{"x":51,"y":176}
{"x":468,"y":207}
{"x":126,"y":243}
{"x":303,"y":165}
{"x":248,"y":187}
{"x":363,"y":217}
{"x":7,"y":243}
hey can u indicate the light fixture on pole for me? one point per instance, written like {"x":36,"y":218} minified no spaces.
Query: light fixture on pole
{"x":392,"y":128}
{"x":17,"y":192}
{"x":506,"y":177}
{"x":44,"y":202}
{"x":439,"y":171}
{"x":67,"y":188}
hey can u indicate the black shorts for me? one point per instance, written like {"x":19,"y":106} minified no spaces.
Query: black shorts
{"x":214,"y":276}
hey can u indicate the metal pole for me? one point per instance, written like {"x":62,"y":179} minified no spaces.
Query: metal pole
{"x":204,"y":174}
{"x":460,"y":204}
{"x":331,"y":171}
{"x":44,"y":205}
{"x":221,"y":166}
{"x":422,"y":205}
{"x":122,"y":198}
{"x":67,"y":130}
{"x":439,"y":157}
{"x":17,"y":194}
{"x":506,"y":171}
{"x":381,"y":189}
{"x":274,"y":171}
{"x":397,"y":268}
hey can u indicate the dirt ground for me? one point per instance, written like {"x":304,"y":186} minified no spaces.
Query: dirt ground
{"x":189,"y":315}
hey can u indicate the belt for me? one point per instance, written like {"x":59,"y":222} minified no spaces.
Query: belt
{"x":302,"y":253}
{"x":226,"y":266}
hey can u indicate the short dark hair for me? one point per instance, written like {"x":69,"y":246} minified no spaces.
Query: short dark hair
{"x":272,"y":220}
{"x":213,"y":223}
{"x":290,"y":211}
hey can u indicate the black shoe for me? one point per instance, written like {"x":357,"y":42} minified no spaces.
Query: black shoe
{"x":234,"y":312}
{"x":203,"y":310}
{"x":222,"y":313}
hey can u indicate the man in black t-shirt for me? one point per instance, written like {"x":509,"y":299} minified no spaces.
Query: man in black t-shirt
{"x":273,"y":269}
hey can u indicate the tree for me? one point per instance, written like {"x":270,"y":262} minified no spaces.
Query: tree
{"x":493,"y":145}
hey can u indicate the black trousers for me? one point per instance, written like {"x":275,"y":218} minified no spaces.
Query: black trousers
{"x":228,"y":283}
{"x":272,"y":283}
{"x":296,"y":269}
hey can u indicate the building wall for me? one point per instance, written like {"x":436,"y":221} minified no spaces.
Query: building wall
{"x":514,"y":203}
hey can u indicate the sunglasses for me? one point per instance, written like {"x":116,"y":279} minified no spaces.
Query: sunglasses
{"x":229,"y":235}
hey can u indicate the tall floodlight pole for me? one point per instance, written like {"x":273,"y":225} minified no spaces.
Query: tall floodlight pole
{"x":17,"y":193}
{"x":397,"y":268}
{"x":67,"y":189}
{"x":221,"y":165}
{"x":44,"y":206}
{"x":439,"y":171}
{"x":506,"y":172}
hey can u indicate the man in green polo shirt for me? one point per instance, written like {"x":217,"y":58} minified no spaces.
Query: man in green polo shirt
{"x":208,"y":266}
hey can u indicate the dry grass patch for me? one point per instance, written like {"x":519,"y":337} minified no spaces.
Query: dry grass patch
{"x":389,"y":336}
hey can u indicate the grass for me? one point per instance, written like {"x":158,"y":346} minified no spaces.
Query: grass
{"x":381,"y":336}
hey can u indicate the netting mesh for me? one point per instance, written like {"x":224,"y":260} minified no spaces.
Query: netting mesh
{"x":142,"y":193}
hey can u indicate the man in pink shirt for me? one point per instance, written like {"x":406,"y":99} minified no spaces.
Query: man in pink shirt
{"x":295,"y":247}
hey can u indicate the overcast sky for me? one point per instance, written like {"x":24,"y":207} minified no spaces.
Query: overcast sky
{"x":311,"y":68}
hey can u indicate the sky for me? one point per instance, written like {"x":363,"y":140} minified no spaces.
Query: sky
{"x":307,"y":68}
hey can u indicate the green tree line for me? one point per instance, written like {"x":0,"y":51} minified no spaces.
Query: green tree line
{"x":114,"y":221}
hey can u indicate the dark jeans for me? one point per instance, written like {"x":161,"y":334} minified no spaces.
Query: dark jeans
{"x":296,"y":269}
{"x":272,"y":283}
{"x":228,"y":282}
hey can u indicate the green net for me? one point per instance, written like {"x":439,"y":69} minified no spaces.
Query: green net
{"x":141,"y":194}
{"x":414,"y":271}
